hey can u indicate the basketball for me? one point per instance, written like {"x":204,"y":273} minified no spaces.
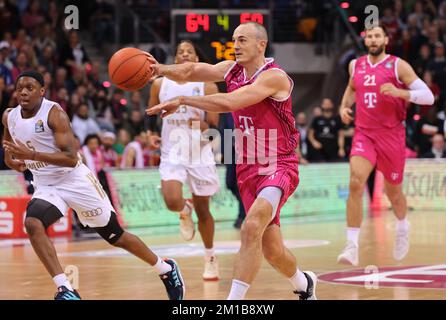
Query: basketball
{"x":129,"y":69}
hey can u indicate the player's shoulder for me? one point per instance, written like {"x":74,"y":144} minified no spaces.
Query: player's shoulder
{"x":5,"y":115}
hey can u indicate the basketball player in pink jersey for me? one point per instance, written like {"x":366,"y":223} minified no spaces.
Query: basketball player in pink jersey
{"x":259,"y":97}
{"x":381,"y":85}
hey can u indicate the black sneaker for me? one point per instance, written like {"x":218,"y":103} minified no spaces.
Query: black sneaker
{"x":173,"y":281}
{"x":310,"y":294}
{"x":65,"y":294}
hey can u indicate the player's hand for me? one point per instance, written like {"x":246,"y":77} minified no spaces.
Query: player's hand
{"x":389,"y":89}
{"x":154,"y":142}
{"x":166,"y":108}
{"x":154,"y":66}
{"x":18,"y":150}
{"x":341,"y":153}
{"x":346,"y":115}
{"x":17,"y":165}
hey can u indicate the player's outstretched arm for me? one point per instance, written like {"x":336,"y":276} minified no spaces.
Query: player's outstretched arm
{"x":59,"y":122}
{"x":418,"y":92}
{"x":271,"y":83}
{"x":349,"y":97}
{"x":191,"y":71}
{"x":18,"y":165}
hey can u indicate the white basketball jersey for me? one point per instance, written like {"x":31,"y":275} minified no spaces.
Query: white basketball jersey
{"x":36,"y":134}
{"x":180,"y":143}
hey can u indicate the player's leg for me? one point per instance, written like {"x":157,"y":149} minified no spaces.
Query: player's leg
{"x":360,"y":169}
{"x":85,"y":195}
{"x":40,"y":214}
{"x":398,"y":200}
{"x":248,"y":259}
{"x":173,"y":197}
{"x":203,"y":182}
{"x":283,"y":260}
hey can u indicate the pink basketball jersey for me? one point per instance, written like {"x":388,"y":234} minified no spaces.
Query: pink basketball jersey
{"x":270,"y":122}
{"x":373,"y":109}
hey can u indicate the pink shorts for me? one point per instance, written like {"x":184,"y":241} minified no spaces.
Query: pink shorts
{"x":250,"y":183}
{"x":385,"y":148}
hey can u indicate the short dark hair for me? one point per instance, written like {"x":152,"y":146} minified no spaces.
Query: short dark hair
{"x":384,"y":29}
{"x":91,"y":137}
{"x":32,"y":74}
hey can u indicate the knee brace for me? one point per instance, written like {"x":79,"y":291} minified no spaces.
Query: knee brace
{"x":112,"y":231}
{"x":44,"y":211}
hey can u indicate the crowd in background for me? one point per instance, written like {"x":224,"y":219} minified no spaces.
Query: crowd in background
{"x":110,"y":125}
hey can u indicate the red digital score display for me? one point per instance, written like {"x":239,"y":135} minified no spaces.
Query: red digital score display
{"x":200,"y":22}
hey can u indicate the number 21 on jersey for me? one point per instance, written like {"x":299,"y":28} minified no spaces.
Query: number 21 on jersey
{"x":370,"y":97}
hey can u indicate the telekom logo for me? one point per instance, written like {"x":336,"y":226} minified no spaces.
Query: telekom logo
{"x":370,"y":99}
{"x":246,"y":124}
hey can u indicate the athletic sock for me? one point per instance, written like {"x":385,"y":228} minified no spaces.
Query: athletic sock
{"x":62,"y":280}
{"x":238,"y":290}
{"x":299,"y":281}
{"x":209,"y":253}
{"x":353,"y":235}
{"x":162,"y":267}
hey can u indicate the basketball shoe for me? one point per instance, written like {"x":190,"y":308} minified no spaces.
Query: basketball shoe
{"x":64,"y":294}
{"x":173,"y":281}
{"x":401,"y":246}
{"x":310,"y":293}
{"x":349,"y":255}
{"x":210,"y":269}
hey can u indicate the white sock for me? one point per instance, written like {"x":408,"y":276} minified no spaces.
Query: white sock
{"x":162,"y":267}
{"x":62,"y":280}
{"x":209,"y":253}
{"x":353,"y":235}
{"x":238,"y":290}
{"x":299,"y":281}
{"x":402,"y":225}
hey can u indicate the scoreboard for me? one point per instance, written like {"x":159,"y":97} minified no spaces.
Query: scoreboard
{"x":211,"y":29}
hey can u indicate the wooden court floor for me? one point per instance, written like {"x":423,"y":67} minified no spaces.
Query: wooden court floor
{"x":108,"y":273}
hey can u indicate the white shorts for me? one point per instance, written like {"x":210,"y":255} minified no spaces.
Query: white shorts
{"x":202,"y":181}
{"x":81,"y":191}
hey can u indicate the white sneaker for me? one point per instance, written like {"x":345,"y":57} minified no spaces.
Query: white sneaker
{"x":401,"y":246}
{"x":187,"y":225}
{"x":310,"y":293}
{"x":349,"y":255}
{"x":210,"y":269}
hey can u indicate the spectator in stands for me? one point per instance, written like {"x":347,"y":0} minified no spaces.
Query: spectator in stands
{"x":302,"y":126}
{"x":425,"y":128}
{"x":118,"y":108}
{"x":33,"y":17}
{"x":20,"y":66}
{"x":48,"y":59}
{"x":420,"y":64}
{"x":437,"y":66}
{"x":102,"y":21}
{"x":135,"y":123}
{"x":92,"y":153}
{"x":135,"y":155}
{"x":438,"y":148}
{"x":73,"y":55}
{"x":108,"y":139}
{"x":5,"y":73}
{"x":61,"y":80}
{"x":82,"y":124}
{"x":324,"y":135}
{"x":136,"y":101}
{"x":5,"y":52}
{"x":8,"y":16}
{"x":122,"y":141}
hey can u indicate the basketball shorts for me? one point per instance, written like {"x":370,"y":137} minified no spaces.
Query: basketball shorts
{"x":250,"y":183}
{"x":202,"y":180}
{"x":81,"y":191}
{"x":385,"y":148}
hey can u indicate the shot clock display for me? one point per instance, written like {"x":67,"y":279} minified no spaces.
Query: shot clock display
{"x":211,"y":30}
